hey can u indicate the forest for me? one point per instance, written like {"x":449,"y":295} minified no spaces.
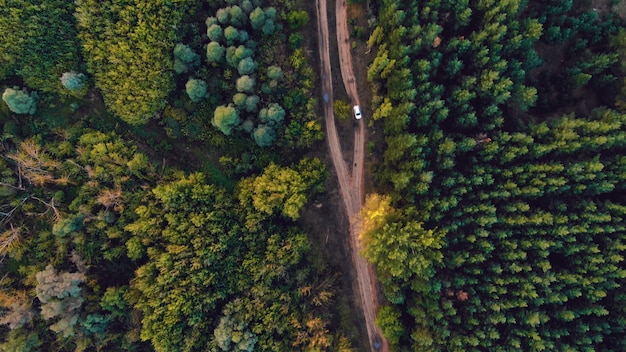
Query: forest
{"x":156,"y":163}
{"x":498,"y":222}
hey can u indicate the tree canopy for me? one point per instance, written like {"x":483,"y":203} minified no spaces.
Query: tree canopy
{"x":130,"y":58}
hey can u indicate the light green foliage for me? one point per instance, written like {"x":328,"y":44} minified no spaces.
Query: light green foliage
{"x":342,"y":109}
{"x":264,"y":135}
{"x":186,"y":278}
{"x":281,"y":189}
{"x":19,"y":101}
{"x":196,"y":89}
{"x":210,"y":21}
{"x":73,"y":81}
{"x":526,"y":97}
{"x":129,"y":58}
{"x":388,"y":319}
{"x":394,"y":246}
{"x":245,"y":84}
{"x":215,"y":52}
{"x":113,"y":301}
{"x":226,"y":118}
{"x":185,"y":58}
{"x":223,"y":16}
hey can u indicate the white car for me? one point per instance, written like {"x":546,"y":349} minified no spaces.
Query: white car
{"x":357,"y":112}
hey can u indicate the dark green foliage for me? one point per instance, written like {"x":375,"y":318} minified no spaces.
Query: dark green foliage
{"x":508,"y":234}
{"x":297,"y":19}
{"x":39,"y":42}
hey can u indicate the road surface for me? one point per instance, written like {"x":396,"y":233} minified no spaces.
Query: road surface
{"x":350,"y":186}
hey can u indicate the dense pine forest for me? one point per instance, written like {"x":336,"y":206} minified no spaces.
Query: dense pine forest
{"x":500,"y":220}
{"x":155,"y":167}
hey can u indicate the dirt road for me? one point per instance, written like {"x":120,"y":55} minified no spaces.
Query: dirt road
{"x":351,"y":187}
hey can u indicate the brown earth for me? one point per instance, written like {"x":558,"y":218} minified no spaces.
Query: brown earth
{"x":350,"y":185}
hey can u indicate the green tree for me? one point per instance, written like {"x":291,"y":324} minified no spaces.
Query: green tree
{"x":60,"y":296}
{"x":297,"y":19}
{"x":274,"y":73}
{"x":245,"y":84}
{"x":257,"y":18}
{"x":237,"y":16}
{"x":272,"y":115}
{"x":231,"y":34}
{"x":193,"y":273}
{"x":252,"y":103}
{"x":226,"y":118}
{"x":279,"y":189}
{"x":388,"y":319}
{"x":19,"y":101}
{"x":130,"y":59}
{"x":40,"y":42}
{"x":73,"y":81}
{"x":196,"y":89}
{"x":185,"y":58}
{"x":215,"y":33}
{"x":246,"y":66}
{"x":234,"y":335}
{"x":215,"y":53}
{"x":264,"y":135}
